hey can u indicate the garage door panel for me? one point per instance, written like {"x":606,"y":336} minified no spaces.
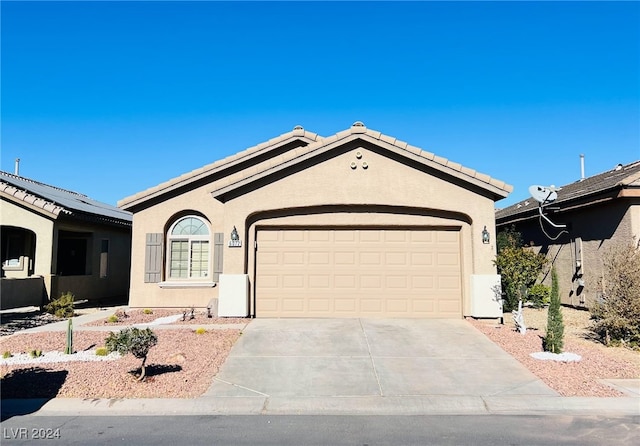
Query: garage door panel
{"x":370,"y":258}
{"x":293,"y":305}
{"x":358,"y":273}
{"x":344,"y":281}
{"x":319,"y":281}
{"x":319,"y":258}
{"x":344,"y":236}
{"x":369,"y":236}
{"x":396,"y":258}
{"x":293,"y":236}
{"x":293,"y":258}
{"x":447,"y":259}
{"x":370,"y":281}
{"x":422,"y":258}
{"x":344,"y":258}
{"x":290,"y":281}
{"x":319,"y":236}
{"x":319,"y":305}
{"x":371,"y":305}
{"x":345,"y":305}
{"x":396,"y":282}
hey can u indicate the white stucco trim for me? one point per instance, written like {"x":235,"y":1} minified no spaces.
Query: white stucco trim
{"x":187,"y":284}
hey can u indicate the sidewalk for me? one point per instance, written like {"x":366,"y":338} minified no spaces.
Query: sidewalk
{"x":251,"y":403}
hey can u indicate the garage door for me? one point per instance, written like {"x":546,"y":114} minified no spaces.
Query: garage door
{"x":358,"y":273}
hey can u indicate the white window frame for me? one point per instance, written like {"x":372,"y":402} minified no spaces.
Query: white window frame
{"x":189,"y":239}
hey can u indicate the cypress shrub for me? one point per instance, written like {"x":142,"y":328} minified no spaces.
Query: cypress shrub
{"x":554,"y":340}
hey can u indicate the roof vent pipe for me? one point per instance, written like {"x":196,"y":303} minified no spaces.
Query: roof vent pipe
{"x":16,"y":171}
{"x":581,"y":166}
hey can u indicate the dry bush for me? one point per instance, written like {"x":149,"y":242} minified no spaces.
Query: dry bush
{"x":617,"y":315}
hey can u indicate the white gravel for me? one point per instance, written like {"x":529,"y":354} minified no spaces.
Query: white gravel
{"x":55,"y":356}
{"x":161,"y":321}
{"x":561,"y":357}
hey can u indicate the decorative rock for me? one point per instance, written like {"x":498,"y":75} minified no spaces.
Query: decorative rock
{"x":560,"y":357}
{"x":179,"y":358}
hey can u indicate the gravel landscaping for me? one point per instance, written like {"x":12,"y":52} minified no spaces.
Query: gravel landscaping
{"x":183,"y":363}
{"x":571,"y":378}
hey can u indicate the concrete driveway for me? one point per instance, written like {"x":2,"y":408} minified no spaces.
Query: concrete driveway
{"x":293,"y":358}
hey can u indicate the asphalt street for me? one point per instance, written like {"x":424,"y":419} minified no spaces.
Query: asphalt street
{"x":323,"y":430}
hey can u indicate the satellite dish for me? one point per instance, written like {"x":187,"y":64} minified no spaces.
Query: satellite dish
{"x":543,"y":194}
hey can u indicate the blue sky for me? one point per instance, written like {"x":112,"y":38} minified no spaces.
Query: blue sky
{"x":111,"y":98}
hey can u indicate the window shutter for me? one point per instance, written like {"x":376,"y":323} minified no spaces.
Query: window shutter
{"x":218,"y":247}
{"x":153,"y":258}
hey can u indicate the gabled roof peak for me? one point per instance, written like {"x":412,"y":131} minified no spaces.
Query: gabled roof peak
{"x":308,"y":144}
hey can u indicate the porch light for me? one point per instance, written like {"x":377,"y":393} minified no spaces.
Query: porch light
{"x":485,"y":236}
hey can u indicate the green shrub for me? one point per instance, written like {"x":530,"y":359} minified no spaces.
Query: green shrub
{"x":61,"y":307}
{"x":554,"y":340}
{"x":35,"y":353}
{"x":112,"y":319}
{"x":201,"y":330}
{"x":135,"y":341}
{"x":617,"y":315}
{"x":519,"y":268}
{"x":102,"y":351}
{"x":538,"y":295}
{"x":147,"y":311}
{"x":7,"y":355}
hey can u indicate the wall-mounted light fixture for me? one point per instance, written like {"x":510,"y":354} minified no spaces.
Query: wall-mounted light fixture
{"x":485,"y":236}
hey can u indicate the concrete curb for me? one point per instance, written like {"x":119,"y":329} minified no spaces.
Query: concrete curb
{"x":404,"y":405}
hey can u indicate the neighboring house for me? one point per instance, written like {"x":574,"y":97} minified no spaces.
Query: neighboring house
{"x":56,"y":241}
{"x":599,"y":212}
{"x":355,"y":224}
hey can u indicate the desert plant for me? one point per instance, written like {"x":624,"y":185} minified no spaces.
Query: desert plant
{"x":35,"y":353}
{"x":519,"y":269}
{"x":617,"y":314}
{"x":61,"y":307}
{"x":112,"y":319}
{"x":147,"y":311}
{"x":554,"y":339}
{"x":7,"y":355}
{"x":201,"y":330}
{"x":135,"y":341}
{"x":69,"y":347}
{"x":102,"y":351}
{"x":538,"y":295}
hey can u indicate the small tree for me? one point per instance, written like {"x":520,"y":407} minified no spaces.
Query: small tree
{"x":617,"y":314}
{"x":554,"y":340}
{"x":519,"y":268}
{"x":135,"y":341}
{"x":508,"y":238}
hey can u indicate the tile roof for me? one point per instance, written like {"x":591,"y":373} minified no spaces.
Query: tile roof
{"x":311,"y":143}
{"x":358,"y":130}
{"x":57,"y":201}
{"x":298,"y":134}
{"x":582,"y":190}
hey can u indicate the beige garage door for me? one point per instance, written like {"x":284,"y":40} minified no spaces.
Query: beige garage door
{"x":358,"y":273}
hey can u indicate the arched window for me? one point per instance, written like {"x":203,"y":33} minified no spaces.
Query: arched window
{"x":188,"y":245}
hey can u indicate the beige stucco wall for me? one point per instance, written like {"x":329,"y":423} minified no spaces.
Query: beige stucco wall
{"x":374,"y":193}
{"x":599,"y":228}
{"x":28,"y":292}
